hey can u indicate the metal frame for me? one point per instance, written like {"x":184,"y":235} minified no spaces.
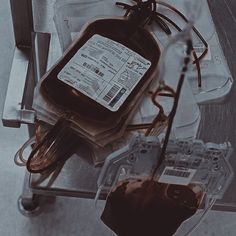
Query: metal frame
{"x":29,"y":63}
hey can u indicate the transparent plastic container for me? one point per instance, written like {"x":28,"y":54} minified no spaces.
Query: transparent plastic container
{"x":192,"y":172}
{"x":70,"y":16}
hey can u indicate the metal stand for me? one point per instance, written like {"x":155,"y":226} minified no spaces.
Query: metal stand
{"x":29,"y":203}
{"x":77,"y":178}
{"x":30,"y":62}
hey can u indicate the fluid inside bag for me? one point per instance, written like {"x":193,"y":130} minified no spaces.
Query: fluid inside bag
{"x":117,"y":30}
{"x":143,"y":207}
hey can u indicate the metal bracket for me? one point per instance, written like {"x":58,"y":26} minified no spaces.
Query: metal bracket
{"x":28,"y":65}
{"x":13,"y":103}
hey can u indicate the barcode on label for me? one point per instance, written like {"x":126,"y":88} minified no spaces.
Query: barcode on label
{"x":177,"y":173}
{"x":93,"y":69}
{"x":111,"y":93}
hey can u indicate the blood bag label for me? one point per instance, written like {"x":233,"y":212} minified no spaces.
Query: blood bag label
{"x":177,"y":175}
{"x":104,"y":70}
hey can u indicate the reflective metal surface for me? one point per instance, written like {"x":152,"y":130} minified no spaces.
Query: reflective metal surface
{"x":12,"y":115}
{"x":28,"y":65}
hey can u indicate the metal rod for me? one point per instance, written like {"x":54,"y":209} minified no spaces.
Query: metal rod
{"x":22,"y":18}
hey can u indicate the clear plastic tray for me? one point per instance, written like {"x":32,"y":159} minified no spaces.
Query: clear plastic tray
{"x":217,"y":80}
